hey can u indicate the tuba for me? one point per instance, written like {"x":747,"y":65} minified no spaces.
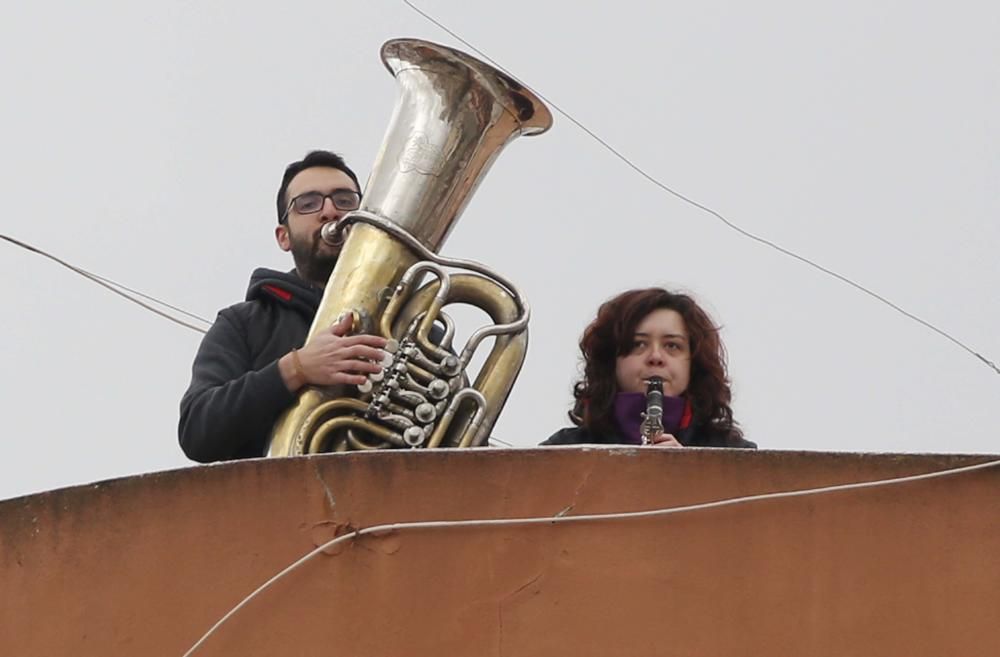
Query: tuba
{"x":453,"y":116}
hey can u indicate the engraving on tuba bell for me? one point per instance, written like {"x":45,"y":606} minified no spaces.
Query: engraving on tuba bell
{"x":453,"y":116}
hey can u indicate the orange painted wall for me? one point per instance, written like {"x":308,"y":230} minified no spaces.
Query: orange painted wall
{"x":145,"y":565}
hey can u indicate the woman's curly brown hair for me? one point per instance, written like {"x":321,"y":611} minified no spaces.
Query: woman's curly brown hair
{"x":611,"y":335}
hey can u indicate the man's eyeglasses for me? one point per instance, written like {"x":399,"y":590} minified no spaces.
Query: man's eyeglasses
{"x":312,"y":202}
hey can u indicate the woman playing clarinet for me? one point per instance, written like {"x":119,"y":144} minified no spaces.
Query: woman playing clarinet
{"x":654,"y":372}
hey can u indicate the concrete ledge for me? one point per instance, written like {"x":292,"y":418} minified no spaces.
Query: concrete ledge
{"x":145,"y":565}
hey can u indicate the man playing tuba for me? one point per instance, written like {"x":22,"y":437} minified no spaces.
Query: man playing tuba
{"x":253,"y":361}
{"x":453,"y":116}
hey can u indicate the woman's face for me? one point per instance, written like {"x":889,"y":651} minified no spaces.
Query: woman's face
{"x":661,"y":348}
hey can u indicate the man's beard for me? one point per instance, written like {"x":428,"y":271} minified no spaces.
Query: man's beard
{"x":314,"y":258}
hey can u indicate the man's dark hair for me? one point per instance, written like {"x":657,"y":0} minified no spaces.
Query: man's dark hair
{"x":312,"y":159}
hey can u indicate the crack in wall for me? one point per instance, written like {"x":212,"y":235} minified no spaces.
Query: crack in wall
{"x":576,"y":493}
{"x":326,"y":487}
{"x":501,"y":603}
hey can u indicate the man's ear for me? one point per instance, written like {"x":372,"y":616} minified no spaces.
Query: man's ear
{"x":281,"y":235}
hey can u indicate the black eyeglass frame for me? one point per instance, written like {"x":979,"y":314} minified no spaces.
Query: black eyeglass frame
{"x":341,"y":190}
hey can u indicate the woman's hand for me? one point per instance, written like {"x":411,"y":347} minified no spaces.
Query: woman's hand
{"x":664,"y":440}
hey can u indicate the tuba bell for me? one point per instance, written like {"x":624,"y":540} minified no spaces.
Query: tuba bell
{"x":453,"y":116}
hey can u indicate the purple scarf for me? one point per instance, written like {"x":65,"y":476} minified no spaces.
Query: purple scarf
{"x":629,"y":407}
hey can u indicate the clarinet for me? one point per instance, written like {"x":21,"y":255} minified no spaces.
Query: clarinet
{"x":652,"y":419}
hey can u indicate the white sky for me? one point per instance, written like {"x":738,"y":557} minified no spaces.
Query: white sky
{"x":147,"y":144}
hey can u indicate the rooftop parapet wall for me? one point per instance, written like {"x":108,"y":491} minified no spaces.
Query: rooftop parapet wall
{"x":146,"y":565}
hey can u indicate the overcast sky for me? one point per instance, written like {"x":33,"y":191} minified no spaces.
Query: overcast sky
{"x":146,"y":144}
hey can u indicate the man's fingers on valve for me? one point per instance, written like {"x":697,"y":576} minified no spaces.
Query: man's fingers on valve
{"x":359,"y":351}
{"x":347,"y":378}
{"x":363,"y":339}
{"x":354,"y":367}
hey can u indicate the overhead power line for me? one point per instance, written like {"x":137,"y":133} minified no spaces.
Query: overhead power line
{"x":117,"y":288}
{"x":745,"y":233}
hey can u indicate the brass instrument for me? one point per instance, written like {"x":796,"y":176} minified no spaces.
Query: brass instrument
{"x":652,"y":418}
{"x":453,"y":117}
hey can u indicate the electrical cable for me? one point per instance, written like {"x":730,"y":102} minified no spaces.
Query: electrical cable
{"x":115,"y":287}
{"x":649,"y":177}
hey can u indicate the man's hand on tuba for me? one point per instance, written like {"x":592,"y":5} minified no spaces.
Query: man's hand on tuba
{"x":333,"y":357}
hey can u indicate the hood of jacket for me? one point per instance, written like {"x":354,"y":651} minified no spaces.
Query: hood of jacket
{"x":286,"y":288}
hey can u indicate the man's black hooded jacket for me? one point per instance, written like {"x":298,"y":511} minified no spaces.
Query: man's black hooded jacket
{"x":236,"y":392}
